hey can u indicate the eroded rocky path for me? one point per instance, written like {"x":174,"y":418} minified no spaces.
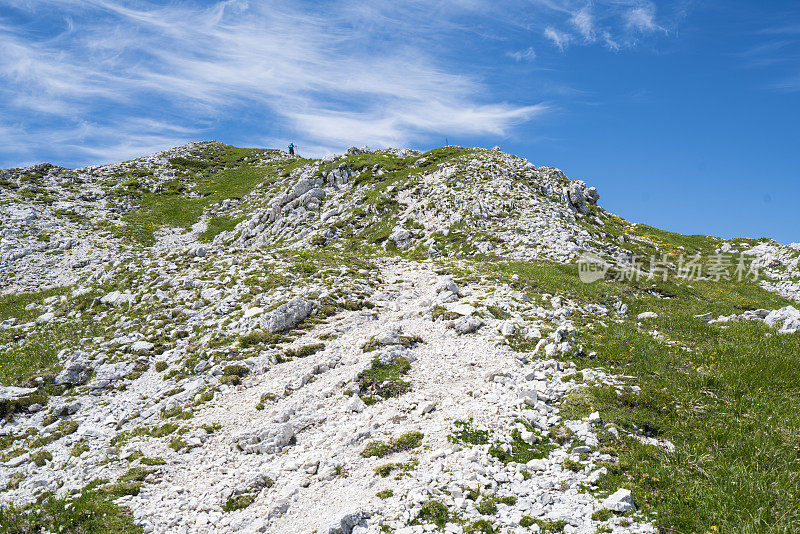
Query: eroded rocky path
{"x":288,"y":442}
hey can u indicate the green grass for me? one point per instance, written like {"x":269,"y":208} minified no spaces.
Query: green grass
{"x":382,"y":380}
{"x":304,"y":351}
{"x":153,"y":461}
{"x":404,"y":469}
{"x":216,"y":174}
{"x":92,"y":511}
{"x":550,"y":527}
{"x":732,"y":411}
{"x":192,"y":163}
{"x":238,"y":502}
{"x":155,"y":432}
{"x":521,"y":451}
{"x":235,"y":370}
{"x":464,"y":432}
{"x":435,"y":512}
{"x":39,"y":458}
{"x":72,"y":216}
{"x":259,"y":337}
{"x":486,"y":507}
{"x":481,"y":525}
{"x":727,"y":398}
{"x":602,"y":515}
{"x":24,"y":356}
{"x":401,"y":443}
{"x":216,"y":225}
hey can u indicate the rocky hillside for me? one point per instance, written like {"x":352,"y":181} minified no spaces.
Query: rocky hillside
{"x":216,"y":339}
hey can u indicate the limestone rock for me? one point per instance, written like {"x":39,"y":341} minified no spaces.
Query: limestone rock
{"x":268,"y":440}
{"x":620,"y":501}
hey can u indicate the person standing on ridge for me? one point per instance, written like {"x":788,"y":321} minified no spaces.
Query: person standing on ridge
{"x":291,"y":149}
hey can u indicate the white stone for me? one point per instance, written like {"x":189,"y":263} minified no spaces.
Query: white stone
{"x":462,"y":309}
{"x":252,"y":312}
{"x":620,"y":501}
{"x":45,"y":318}
{"x":142,"y":346}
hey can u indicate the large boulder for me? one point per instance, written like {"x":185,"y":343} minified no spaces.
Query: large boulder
{"x":620,"y":501}
{"x":110,"y":372}
{"x":77,"y":369}
{"x":467,"y":325}
{"x":346,"y":523}
{"x":268,"y":440}
{"x":787,"y":317}
{"x":9,"y":393}
{"x":339,"y":176}
{"x":591,"y":194}
{"x":401,"y":237}
{"x":578,"y":196}
{"x":286,"y":315}
{"x":117,"y":298}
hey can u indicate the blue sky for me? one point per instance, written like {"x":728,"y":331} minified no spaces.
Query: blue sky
{"x":684,"y":114}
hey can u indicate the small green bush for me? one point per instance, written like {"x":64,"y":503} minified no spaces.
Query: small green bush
{"x":236,"y":370}
{"x":238,"y":502}
{"x":39,"y":458}
{"x":481,"y":525}
{"x":382,"y":380}
{"x":434,"y":512}
{"x":401,"y":443}
{"x":572,"y":465}
{"x":486,"y":507}
{"x":305,"y":350}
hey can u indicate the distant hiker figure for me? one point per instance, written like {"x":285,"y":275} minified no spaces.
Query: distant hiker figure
{"x":291,"y":149}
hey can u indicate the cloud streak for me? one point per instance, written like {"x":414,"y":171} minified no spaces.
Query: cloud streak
{"x":776,"y":50}
{"x":106,"y":78}
{"x":529,"y":54}
{"x":560,"y":39}
{"x":614,"y":24}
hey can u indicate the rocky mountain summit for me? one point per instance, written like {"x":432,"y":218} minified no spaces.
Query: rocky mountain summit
{"x":216,"y":339}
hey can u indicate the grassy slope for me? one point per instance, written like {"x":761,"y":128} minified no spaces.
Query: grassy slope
{"x":35,"y":353}
{"x":213,"y":175}
{"x":91,"y":511}
{"x":729,"y":403}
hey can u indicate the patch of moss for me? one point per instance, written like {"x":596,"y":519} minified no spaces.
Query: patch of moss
{"x":382,"y":380}
{"x":238,"y":502}
{"x":401,"y":443}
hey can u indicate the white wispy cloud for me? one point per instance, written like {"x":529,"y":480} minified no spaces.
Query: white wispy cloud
{"x":609,"y":41}
{"x":111,"y":78}
{"x":613,"y":23}
{"x":584,"y":22}
{"x":323,"y":81}
{"x":559,"y":38}
{"x":777,"y":51}
{"x":95,"y":142}
{"x":529,"y":54}
{"x":642,"y":18}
